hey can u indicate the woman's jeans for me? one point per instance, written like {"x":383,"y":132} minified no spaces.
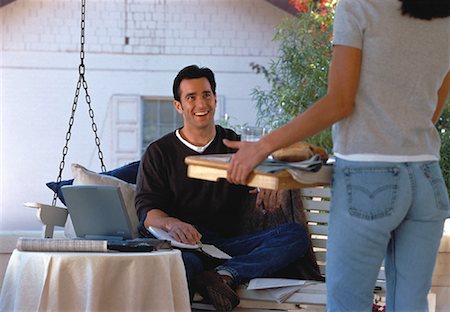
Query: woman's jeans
{"x":390,"y":211}
{"x":254,"y":255}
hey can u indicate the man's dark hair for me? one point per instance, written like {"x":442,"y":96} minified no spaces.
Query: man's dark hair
{"x":193,"y":72}
{"x":425,"y":9}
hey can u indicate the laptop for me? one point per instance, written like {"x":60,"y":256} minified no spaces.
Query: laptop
{"x":98,"y":212}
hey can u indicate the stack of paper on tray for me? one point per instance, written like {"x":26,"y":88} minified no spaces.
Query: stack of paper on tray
{"x":310,"y":165}
{"x":323,"y":176}
{"x":309,"y":171}
{"x":270,"y":174}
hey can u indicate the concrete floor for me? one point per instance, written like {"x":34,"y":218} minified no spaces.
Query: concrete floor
{"x":441,"y":288}
{"x":441,"y":282}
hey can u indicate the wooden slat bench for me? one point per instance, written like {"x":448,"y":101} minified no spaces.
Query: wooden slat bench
{"x":316,"y":205}
{"x":316,"y":202}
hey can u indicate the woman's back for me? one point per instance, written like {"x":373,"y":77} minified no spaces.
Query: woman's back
{"x":404,"y":61}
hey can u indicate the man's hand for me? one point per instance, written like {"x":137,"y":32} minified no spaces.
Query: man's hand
{"x":184,"y":232}
{"x":268,"y":199}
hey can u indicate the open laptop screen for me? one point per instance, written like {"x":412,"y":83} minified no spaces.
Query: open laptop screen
{"x":98,"y":212}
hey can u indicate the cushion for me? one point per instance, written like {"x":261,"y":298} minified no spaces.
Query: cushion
{"x":127,"y":173}
{"x":83,"y":176}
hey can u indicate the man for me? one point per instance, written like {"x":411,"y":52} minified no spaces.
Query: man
{"x":192,"y":210}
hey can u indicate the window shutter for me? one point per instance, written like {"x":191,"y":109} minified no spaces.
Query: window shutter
{"x":126,"y":125}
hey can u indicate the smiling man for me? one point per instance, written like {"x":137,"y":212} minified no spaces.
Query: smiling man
{"x":193,"y":211}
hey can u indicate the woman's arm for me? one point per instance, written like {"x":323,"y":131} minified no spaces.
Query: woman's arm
{"x":338,"y":103}
{"x":443,"y":92}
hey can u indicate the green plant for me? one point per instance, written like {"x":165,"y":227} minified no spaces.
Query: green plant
{"x":443,"y":126}
{"x":227,"y":122}
{"x":298,"y":77}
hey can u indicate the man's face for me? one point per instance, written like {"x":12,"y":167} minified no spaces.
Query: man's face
{"x":198,"y":103}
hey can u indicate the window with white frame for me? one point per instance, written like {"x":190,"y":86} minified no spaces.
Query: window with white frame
{"x":159,"y":117}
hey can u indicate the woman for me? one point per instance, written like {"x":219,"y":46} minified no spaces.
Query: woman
{"x":388,"y":83}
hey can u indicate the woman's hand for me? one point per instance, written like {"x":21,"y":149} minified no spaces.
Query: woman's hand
{"x":248,"y":156}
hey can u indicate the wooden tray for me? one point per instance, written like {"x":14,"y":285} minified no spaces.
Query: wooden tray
{"x":214,"y":167}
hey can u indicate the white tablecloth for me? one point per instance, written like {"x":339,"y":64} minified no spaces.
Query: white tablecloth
{"x":69,"y":281}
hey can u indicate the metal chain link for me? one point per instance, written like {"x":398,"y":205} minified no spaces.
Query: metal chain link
{"x":81,"y":82}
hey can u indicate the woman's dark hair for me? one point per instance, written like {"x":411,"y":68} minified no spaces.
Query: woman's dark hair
{"x":426,"y":9}
{"x":193,"y":72}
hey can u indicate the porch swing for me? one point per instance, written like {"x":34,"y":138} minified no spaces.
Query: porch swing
{"x":52,"y":215}
{"x":288,"y":202}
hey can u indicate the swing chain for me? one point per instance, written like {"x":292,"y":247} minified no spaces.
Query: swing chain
{"x":81,"y":82}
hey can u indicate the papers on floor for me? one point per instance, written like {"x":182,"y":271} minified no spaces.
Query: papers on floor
{"x":279,"y":289}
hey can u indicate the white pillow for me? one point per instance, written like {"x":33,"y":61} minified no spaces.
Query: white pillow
{"x":83,"y":176}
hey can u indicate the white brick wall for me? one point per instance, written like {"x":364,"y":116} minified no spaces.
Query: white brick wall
{"x":39,"y":60}
{"x":209,"y":27}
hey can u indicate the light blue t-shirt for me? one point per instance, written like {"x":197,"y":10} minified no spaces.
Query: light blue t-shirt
{"x":404,"y":62}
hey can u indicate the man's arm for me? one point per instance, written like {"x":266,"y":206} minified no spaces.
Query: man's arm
{"x":442,"y":98}
{"x":154,"y":196}
{"x":181,"y":231}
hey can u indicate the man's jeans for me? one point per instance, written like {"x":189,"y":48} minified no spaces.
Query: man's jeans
{"x":254,"y":255}
{"x":391,"y":211}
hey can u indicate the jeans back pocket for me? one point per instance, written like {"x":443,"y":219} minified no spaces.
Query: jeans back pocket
{"x":372,"y":192}
{"x":433,"y":174}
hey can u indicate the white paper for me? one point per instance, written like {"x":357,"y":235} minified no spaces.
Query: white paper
{"x":280,"y":294}
{"x":310,"y":164}
{"x":218,"y":157}
{"x":264,"y":283}
{"x":206,"y":248}
{"x":161,"y":234}
{"x":215,"y":252}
